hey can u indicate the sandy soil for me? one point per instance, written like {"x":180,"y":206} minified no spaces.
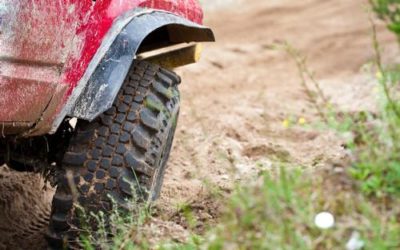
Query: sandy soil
{"x":24,"y":210}
{"x":234,"y":103}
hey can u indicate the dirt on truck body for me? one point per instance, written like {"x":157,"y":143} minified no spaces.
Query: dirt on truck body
{"x":234,"y":117}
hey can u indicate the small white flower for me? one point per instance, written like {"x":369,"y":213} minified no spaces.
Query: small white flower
{"x":324,"y":220}
{"x":355,"y":242}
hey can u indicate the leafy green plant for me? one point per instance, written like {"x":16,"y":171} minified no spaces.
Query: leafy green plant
{"x":377,"y":146}
{"x":389,"y":11}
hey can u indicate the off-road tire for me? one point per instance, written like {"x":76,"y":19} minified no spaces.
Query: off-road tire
{"x":129,"y":144}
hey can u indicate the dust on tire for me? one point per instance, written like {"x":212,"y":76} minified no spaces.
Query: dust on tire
{"x":129,"y":144}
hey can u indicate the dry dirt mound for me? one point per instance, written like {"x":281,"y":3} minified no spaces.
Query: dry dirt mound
{"x":235,"y":100}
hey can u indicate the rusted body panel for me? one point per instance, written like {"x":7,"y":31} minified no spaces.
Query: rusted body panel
{"x":47,"y":46}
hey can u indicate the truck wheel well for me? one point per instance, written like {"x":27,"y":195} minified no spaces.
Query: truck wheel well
{"x":145,"y":33}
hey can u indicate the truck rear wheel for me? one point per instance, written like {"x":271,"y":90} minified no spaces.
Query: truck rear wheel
{"x":120,"y":155}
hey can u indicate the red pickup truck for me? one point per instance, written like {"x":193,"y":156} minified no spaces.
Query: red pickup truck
{"x":88,"y":97}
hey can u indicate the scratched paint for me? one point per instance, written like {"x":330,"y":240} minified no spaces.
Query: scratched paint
{"x":36,"y":38}
{"x":38,"y":31}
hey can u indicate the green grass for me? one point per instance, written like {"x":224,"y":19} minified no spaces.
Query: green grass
{"x":278,"y":213}
{"x":114,"y":231}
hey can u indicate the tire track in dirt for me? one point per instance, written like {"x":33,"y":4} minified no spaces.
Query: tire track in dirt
{"x":24,"y":210}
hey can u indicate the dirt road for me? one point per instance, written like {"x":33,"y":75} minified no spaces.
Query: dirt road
{"x":235,"y":102}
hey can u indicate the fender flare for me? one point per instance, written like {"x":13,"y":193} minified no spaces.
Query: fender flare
{"x":98,"y":88}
